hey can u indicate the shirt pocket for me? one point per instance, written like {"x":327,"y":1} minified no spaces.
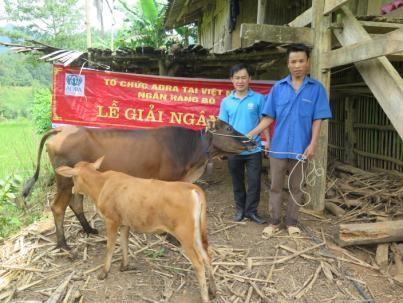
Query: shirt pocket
{"x":306,"y":107}
{"x":282,"y":106}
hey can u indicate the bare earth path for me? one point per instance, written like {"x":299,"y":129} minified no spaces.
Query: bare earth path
{"x":247,"y":267}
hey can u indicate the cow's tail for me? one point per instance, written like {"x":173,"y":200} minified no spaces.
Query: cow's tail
{"x":30,"y":183}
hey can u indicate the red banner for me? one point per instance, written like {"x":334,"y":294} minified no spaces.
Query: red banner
{"x":109,"y":99}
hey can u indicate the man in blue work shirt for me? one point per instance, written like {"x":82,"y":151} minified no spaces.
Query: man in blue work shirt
{"x":242,"y":110}
{"x":298,"y":104}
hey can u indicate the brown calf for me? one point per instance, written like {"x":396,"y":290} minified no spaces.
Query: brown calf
{"x":147,"y":206}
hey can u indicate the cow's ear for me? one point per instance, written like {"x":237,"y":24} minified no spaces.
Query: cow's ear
{"x":97,"y":164}
{"x":66,"y":171}
{"x":210,"y":124}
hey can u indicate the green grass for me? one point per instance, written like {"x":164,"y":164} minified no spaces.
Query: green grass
{"x":18,"y":153}
{"x":18,"y":148}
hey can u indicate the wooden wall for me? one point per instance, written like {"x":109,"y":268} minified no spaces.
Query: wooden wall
{"x":213,"y":26}
{"x":361,"y":134}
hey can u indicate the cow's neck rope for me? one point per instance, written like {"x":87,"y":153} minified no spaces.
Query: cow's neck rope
{"x":213,"y":132}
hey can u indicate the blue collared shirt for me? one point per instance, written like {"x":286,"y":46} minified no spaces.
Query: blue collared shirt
{"x":243,"y":114}
{"x":294,"y":113}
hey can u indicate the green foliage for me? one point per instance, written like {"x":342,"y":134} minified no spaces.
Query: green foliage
{"x":15,"y":102}
{"x":14,"y":71}
{"x":144,"y":25}
{"x":9,"y":220}
{"x":57,"y":22}
{"x":23,"y":70}
{"x":154,"y":254}
{"x":41,"y":109}
{"x":149,"y":9}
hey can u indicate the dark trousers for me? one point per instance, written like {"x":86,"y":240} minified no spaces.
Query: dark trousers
{"x":246,"y":200}
{"x":278,"y":169}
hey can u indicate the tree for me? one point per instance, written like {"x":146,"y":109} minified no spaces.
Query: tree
{"x":59,"y":22}
{"x":143,"y":26}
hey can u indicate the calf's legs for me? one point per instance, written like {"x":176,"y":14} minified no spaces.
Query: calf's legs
{"x":124,"y":238}
{"x":111,"y":234}
{"x":198,"y":264}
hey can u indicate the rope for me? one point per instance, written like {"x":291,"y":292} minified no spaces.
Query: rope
{"x":310,"y":178}
{"x":233,"y":136}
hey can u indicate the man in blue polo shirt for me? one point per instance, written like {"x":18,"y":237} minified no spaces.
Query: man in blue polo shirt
{"x":242,"y":109}
{"x":298,"y":104}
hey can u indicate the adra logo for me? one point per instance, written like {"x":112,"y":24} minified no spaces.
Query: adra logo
{"x":74,"y":85}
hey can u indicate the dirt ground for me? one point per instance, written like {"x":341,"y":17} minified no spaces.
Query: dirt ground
{"x":242,"y":262}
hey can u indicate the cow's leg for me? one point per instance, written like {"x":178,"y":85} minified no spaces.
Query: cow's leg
{"x":197,"y":261}
{"x":58,"y":207}
{"x":76,"y":205}
{"x":111,"y":234}
{"x":124,"y":238}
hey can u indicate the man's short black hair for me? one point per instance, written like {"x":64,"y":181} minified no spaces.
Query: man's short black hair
{"x":236,"y":68}
{"x":298,"y":47}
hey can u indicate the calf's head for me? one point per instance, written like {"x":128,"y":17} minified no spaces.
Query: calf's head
{"x":77,"y":173}
{"x":226,"y":140}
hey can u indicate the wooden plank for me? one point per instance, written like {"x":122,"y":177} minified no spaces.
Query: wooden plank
{"x":332,"y":5}
{"x":380,"y":157}
{"x":349,"y":135}
{"x":374,"y":27}
{"x":276,"y":34}
{"x":261,"y":11}
{"x":306,"y":17}
{"x":322,"y":42}
{"x":302,"y":20}
{"x":370,"y":233}
{"x":379,"y":74}
{"x":382,"y":250}
{"x":386,"y":44}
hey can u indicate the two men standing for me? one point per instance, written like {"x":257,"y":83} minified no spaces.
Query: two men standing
{"x":298,"y":104}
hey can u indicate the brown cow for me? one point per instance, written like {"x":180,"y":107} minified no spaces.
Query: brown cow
{"x":147,"y":206}
{"x":167,"y":153}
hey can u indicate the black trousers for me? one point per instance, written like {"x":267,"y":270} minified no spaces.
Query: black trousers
{"x":246,"y":200}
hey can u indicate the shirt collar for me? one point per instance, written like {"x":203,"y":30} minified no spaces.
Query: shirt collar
{"x":249,"y":94}
{"x":306,"y":80}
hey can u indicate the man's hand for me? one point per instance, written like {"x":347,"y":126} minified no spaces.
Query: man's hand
{"x":310,"y":151}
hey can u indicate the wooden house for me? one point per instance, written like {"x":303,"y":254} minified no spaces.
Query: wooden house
{"x":357,"y":53}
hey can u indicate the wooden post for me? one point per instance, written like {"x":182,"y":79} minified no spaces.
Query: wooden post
{"x":162,"y":67}
{"x":349,"y":135}
{"x":261,"y":11}
{"x":322,"y":43}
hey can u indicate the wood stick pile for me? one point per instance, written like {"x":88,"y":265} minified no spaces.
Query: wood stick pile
{"x":355,"y":195}
{"x":368,"y":207}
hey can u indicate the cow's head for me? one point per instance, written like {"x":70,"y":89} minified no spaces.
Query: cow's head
{"x":226,"y":140}
{"x":78,"y":174}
